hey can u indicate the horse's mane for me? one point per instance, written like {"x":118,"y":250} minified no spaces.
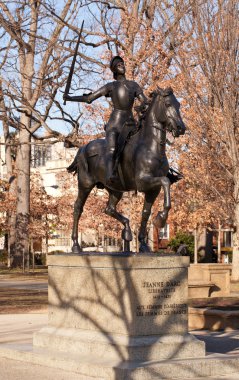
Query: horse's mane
{"x":153,"y":95}
{"x":161,"y":91}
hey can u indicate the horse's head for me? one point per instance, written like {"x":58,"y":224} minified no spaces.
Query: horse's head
{"x":167,"y":111}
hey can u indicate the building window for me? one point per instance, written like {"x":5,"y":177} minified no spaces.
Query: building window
{"x":109,"y":241}
{"x":40,"y":155}
{"x":227,"y":238}
{"x":164,"y":232}
{"x":62,"y":239}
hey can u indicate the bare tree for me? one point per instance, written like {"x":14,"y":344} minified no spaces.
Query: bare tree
{"x":31,"y":73}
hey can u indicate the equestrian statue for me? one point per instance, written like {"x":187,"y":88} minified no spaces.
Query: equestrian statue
{"x":132,"y":156}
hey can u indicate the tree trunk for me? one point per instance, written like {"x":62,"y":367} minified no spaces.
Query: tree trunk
{"x":12,"y":190}
{"x":23,"y":196}
{"x":11,"y":238}
{"x":204,"y":246}
{"x":11,"y":217}
{"x":235,"y":255}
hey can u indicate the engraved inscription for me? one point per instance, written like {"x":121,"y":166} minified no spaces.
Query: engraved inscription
{"x":161,"y":284}
{"x":161,"y":290}
{"x":167,"y":309}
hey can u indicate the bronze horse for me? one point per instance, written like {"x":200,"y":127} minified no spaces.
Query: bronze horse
{"x":143,"y":167}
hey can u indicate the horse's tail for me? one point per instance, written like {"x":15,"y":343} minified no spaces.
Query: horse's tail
{"x":78,"y":161}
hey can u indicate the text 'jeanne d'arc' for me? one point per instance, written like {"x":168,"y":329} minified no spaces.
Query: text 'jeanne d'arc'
{"x":160,"y":284}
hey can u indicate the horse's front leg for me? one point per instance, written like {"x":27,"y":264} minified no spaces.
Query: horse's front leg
{"x":162,"y":216}
{"x":78,"y":209}
{"x":114,"y":198}
{"x":148,"y":183}
{"x":148,"y":203}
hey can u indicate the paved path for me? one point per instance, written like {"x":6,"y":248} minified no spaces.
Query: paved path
{"x":27,"y":284}
{"x":16,"y":370}
{"x":220,"y":342}
{"x":19,"y":328}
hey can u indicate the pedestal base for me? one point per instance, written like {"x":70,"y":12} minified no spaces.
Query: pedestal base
{"x":120,"y":308}
{"x":119,"y":347}
{"x":91,"y":367}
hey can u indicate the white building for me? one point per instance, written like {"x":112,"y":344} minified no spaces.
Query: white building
{"x":49,"y":160}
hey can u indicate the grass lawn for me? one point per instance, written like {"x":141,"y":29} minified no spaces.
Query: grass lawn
{"x":15,"y":300}
{"x":13,"y":272}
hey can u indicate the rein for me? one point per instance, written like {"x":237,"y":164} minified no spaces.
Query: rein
{"x":160,"y":127}
{"x":157,"y":126}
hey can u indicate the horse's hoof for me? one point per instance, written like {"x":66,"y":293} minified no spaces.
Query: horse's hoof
{"x":127,"y":234}
{"x":126,"y":246}
{"x":76,"y":249}
{"x":144,"y":248}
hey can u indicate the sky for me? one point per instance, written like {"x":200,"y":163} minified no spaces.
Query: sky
{"x":72,"y":108}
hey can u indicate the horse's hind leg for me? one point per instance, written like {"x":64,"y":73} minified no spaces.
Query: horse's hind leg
{"x":78,"y":209}
{"x":114,"y":198}
{"x":148,"y":203}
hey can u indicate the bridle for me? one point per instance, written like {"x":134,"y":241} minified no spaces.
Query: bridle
{"x":165,"y":124}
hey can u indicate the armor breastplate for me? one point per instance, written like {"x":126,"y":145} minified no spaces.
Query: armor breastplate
{"x":123,"y":95}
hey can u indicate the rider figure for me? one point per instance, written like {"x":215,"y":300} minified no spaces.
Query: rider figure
{"x":122,"y":93}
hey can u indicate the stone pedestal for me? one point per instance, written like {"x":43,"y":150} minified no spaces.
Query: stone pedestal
{"x":119,"y":307}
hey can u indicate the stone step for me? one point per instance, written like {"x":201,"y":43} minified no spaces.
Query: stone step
{"x":90,"y":367}
{"x":117,"y":346}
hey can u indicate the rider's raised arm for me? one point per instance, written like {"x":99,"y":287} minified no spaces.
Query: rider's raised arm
{"x":89,"y":98}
